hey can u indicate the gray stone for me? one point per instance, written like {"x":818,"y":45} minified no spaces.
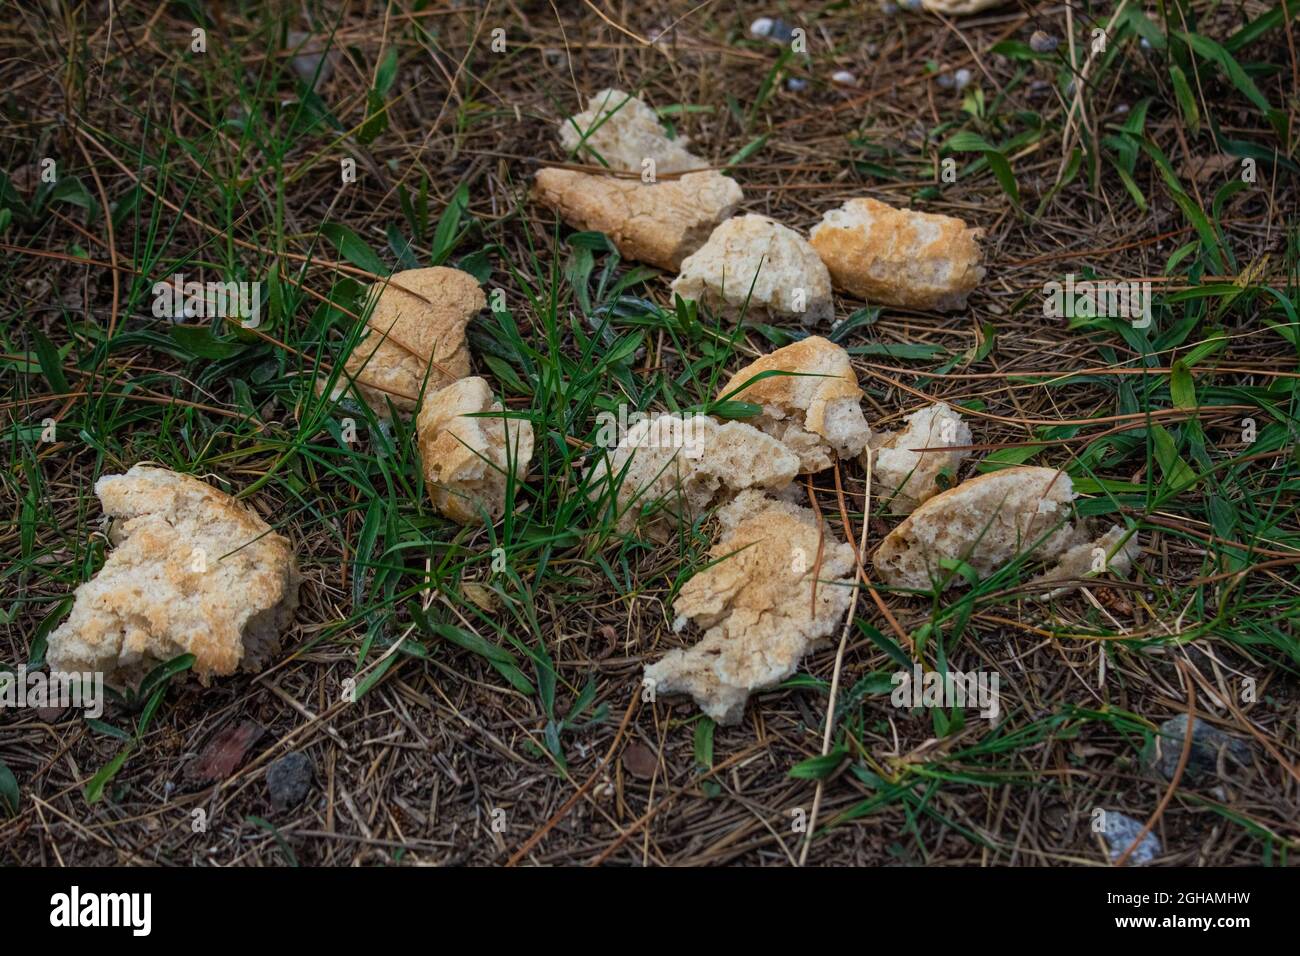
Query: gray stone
{"x":1207,"y":743}
{"x":1120,"y":832}
{"x":288,"y":780}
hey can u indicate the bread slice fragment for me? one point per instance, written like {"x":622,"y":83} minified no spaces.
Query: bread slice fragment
{"x":192,"y":571}
{"x":755,"y":266}
{"x":756,"y":605}
{"x":984,"y":522}
{"x":899,"y":256}
{"x":902,"y":475}
{"x":684,"y":464}
{"x":660,"y":223}
{"x":620,"y":131}
{"x":467,"y":455}
{"x":816,"y":412}
{"x":417,"y":327}
{"x":1109,"y":553}
{"x":959,"y":8}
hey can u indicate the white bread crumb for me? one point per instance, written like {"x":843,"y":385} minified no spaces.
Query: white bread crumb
{"x":192,"y":572}
{"x":904,"y":477}
{"x":756,"y":605}
{"x":688,"y":463}
{"x":958,"y":8}
{"x":466,"y":457}
{"x":624,"y":132}
{"x":753,"y":265}
{"x":1078,"y":563}
{"x":984,"y":522}
{"x":817,"y":413}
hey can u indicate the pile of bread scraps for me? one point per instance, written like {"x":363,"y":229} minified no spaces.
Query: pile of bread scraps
{"x":195,"y":571}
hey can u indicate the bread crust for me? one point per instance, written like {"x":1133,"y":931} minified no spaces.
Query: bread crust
{"x":465,"y":457}
{"x":621,"y":132}
{"x":687,"y":464}
{"x":958,"y":8}
{"x":956,"y":524}
{"x":899,"y":256}
{"x":904,"y":477}
{"x":757,"y":266}
{"x":660,"y":223}
{"x":193,"y":571}
{"x":417,"y":326}
{"x":756,"y":604}
{"x":817,"y":413}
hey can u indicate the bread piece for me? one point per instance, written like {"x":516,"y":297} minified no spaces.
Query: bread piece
{"x":899,"y":256}
{"x":756,"y":605}
{"x":466,"y":457}
{"x":408,"y":336}
{"x":659,"y":223}
{"x":623,"y":131}
{"x":958,"y":8}
{"x":753,"y":265}
{"x":904,"y":477}
{"x":192,"y":571}
{"x":985,"y":522}
{"x":688,"y":463}
{"x":817,"y":413}
{"x":1080,"y":562}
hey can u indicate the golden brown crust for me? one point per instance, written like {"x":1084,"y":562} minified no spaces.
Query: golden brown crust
{"x":756,"y":604}
{"x":984,"y":521}
{"x":466,"y":456}
{"x":417,"y":325}
{"x":659,"y":223}
{"x":899,"y":256}
{"x":817,"y":412}
{"x":958,"y":8}
{"x":193,"y":571}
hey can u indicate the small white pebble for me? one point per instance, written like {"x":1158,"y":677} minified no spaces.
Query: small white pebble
{"x":761,"y":27}
{"x":795,"y":85}
{"x":962,"y":78}
{"x":843,"y":78}
{"x":945,"y":81}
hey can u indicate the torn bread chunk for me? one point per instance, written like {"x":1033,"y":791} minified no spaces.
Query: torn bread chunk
{"x":756,"y":605}
{"x":1109,"y":553}
{"x":760,"y":269}
{"x":191,"y":571}
{"x":816,"y":411}
{"x":902,"y":475}
{"x":984,"y":522}
{"x":467,"y":455}
{"x":960,"y":8}
{"x":899,"y":256}
{"x":677,"y":466}
{"x":619,"y":131}
{"x":416,"y":328}
{"x":660,"y":223}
